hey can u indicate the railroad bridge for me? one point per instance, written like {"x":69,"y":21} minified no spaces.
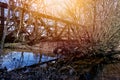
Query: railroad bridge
{"x":34,"y":25}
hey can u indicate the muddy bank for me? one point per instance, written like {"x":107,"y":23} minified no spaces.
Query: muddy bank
{"x":46,"y":47}
{"x":96,"y":67}
{"x":68,"y":69}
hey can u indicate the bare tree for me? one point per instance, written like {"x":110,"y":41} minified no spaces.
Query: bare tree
{"x":100,"y":19}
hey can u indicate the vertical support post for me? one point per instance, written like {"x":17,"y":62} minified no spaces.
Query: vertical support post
{"x":56,"y":29}
{"x":21,"y":23}
{"x":68,"y":32}
{"x":1,"y":22}
{"x":5,"y":26}
{"x":2,"y":27}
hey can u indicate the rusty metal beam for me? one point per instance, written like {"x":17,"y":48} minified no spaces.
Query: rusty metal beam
{"x":55,"y":18}
{"x":43,"y":15}
{"x":3,"y":5}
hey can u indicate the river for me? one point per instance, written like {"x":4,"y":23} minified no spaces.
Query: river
{"x":17,"y":59}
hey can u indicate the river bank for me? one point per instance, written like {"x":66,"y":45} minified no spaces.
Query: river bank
{"x":68,"y":69}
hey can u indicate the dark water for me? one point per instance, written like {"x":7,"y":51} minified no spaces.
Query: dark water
{"x":13,"y":60}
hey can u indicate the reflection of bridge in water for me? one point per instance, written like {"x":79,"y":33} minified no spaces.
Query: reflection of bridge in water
{"x":35,"y":26}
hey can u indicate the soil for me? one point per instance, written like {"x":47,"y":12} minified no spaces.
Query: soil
{"x":38,"y":73}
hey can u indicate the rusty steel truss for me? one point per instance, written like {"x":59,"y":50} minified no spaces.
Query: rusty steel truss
{"x":35,"y":26}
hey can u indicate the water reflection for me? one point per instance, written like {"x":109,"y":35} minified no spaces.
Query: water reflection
{"x":15,"y":59}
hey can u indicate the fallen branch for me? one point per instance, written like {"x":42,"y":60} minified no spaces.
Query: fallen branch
{"x":34,"y":65}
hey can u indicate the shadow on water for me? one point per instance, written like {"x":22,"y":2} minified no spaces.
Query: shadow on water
{"x":15,"y":59}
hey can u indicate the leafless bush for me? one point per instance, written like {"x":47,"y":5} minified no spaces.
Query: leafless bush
{"x":100,"y":29}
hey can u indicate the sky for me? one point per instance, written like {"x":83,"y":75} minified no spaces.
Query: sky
{"x":53,"y":6}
